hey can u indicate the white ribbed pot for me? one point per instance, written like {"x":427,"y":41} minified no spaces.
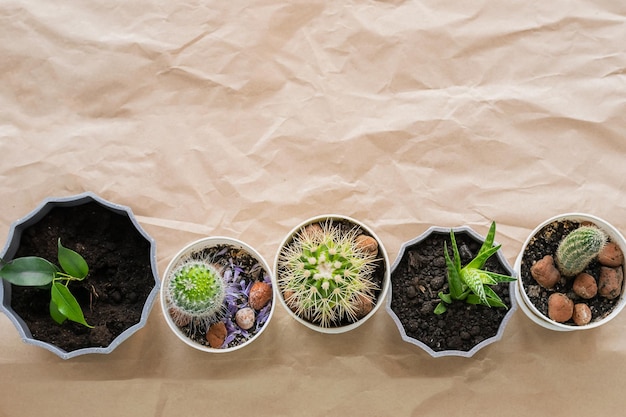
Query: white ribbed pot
{"x":396,"y":290}
{"x":522,"y":268}
{"x":382,"y":269}
{"x":13,"y":244}
{"x":220,"y":251}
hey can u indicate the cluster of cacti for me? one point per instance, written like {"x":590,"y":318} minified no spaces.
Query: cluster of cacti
{"x":579,"y":248}
{"x":196,"y":291}
{"x":325,"y":273}
{"x":471,"y":283}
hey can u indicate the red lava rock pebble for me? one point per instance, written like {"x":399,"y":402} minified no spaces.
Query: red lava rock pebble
{"x":610,"y":282}
{"x":611,"y":255}
{"x":260,"y":295}
{"x":545,"y":272}
{"x":560,"y":307}
{"x":582,"y":314}
{"x":363,"y":306}
{"x":367,"y":244}
{"x":216,"y":335}
{"x":585,"y":286}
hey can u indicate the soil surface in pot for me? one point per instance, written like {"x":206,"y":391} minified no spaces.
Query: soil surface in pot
{"x":546,"y":242}
{"x":377,"y":277}
{"x":421,"y":275}
{"x":112,"y":296}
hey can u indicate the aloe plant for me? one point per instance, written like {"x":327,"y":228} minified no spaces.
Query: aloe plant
{"x":471,"y":283}
{"x":33,"y":271}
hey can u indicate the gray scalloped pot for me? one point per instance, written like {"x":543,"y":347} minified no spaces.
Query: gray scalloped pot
{"x":239,"y":298}
{"x":461,"y":353}
{"x":382,"y":259}
{"x":531,"y":310}
{"x":11,"y":248}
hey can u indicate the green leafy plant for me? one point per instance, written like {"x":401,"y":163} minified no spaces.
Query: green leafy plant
{"x":32,"y":271}
{"x":578,"y":248}
{"x":325,"y":274}
{"x":471,"y":283}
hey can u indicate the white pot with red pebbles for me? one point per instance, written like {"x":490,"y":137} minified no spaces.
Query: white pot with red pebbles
{"x":571,"y":273}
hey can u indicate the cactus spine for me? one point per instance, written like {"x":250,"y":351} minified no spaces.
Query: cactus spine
{"x":196,"y":291}
{"x":579,"y":248}
{"x":325,"y":274}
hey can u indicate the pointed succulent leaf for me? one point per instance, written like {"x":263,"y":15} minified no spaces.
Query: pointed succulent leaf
{"x":445,"y":297}
{"x":491,"y":235}
{"x":72,"y":262}
{"x":440,"y":309}
{"x":480,"y":259}
{"x":454,"y":277}
{"x":67,"y":304}
{"x":498,"y":278}
{"x":29,"y":271}
{"x":471,"y":278}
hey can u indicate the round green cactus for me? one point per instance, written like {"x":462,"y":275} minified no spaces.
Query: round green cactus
{"x":579,"y":248}
{"x":196,"y":290}
{"x":325,"y":274}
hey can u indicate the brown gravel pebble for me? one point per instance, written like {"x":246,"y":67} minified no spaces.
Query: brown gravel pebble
{"x":585,"y":286}
{"x":367,"y":244}
{"x":582,"y":314}
{"x":545,"y":272}
{"x":560,"y":307}
{"x":260,"y":295}
{"x":216,"y":335}
{"x":610,"y":282}
{"x":611,"y":255}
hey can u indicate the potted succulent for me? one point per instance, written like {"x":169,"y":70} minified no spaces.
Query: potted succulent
{"x":332,"y":273}
{"x":217,"y":294}
{"x":571,"y":273}
{"x":79,"y":275}
{"x":449,"y":294}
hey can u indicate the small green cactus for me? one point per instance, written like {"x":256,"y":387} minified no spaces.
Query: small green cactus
{"x":324,"y":274}
{"x":196,"y":291}
{"x":579,"y":248}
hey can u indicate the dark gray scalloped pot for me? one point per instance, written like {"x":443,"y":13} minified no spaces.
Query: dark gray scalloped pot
{"x":416,"y":342}
{"x":12,"y":245}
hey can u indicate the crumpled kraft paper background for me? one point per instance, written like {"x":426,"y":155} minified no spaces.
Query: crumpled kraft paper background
{"x":243,"y":119}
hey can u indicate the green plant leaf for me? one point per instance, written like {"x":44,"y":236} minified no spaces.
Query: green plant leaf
{"x":56,"y":314}
{"x":67,"y":304}
{"x":29,"y":271}
{"x":72,"y":263}
{"x":479,"y":261}
{"x":454,"y":277}
{"x":445,"y":297}
{"x":440,"y":309}
{"x":471,"y":277}
{"x":497,"y":278}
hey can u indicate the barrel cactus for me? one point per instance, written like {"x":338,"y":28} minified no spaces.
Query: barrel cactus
{"x":579,"y":248}
{"x":196,"y":292}
{"x":325,"y":273}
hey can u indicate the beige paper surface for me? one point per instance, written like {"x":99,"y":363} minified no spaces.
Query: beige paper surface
{"x":243,"y":119}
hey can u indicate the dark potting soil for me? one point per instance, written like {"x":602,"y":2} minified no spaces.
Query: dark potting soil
{"x":421,"y":274}
{"x":377,"y":277}
{"x":240,"y":271}
{"x":545,"y":242}
{"x":114,"y":292}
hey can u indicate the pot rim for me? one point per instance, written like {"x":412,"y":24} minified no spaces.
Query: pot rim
{"x":383,"y":291}
{"x":12,"y":244}
{"x":527,"y":306}
{"x":194,"y":246}
{"x":453,"y":352}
